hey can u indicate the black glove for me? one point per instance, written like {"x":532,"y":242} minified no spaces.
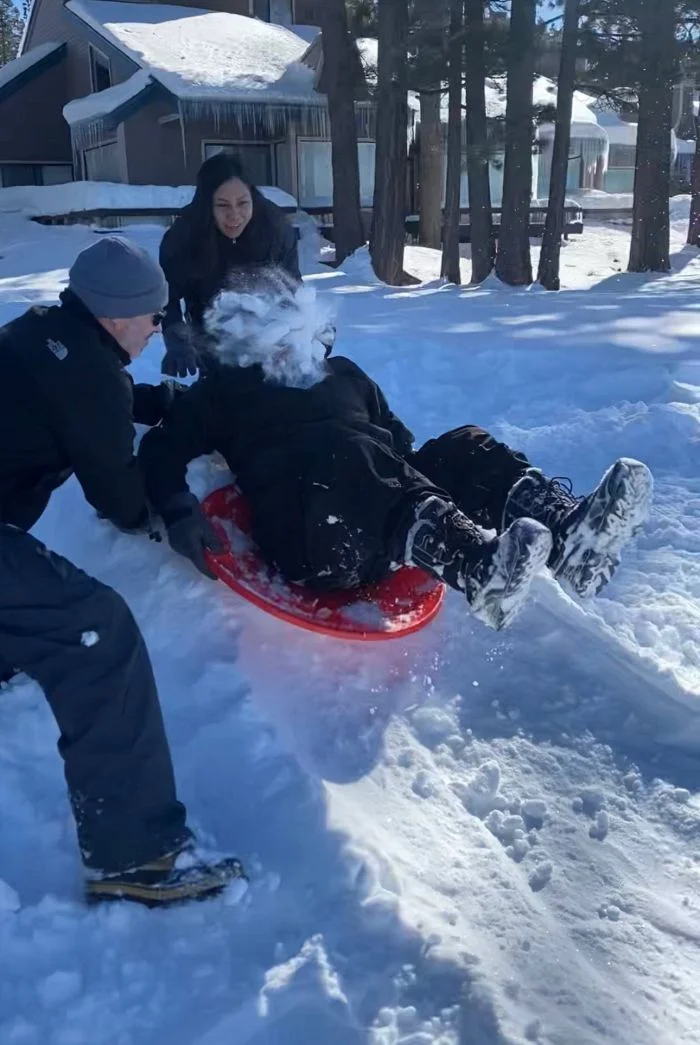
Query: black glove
{"x":189,"y":531}
{"x":180,"y":357}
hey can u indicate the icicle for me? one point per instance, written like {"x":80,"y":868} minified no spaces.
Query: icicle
{"x":181,"y":118}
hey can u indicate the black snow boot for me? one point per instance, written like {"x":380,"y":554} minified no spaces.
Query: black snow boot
{"x":589,"y":532}
{"x":174,"y":878}
{"x":495,"y":575}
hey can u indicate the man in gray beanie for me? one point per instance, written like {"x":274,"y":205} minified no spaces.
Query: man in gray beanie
{"x":67,"y":406}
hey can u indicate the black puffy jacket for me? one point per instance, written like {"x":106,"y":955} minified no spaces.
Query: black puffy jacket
{"x":67,"y":406}
{"x":301,"y":456}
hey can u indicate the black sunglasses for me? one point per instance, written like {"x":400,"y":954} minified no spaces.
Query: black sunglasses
{"x":158,"y":318}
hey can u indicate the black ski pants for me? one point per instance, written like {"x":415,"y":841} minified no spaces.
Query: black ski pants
{"x":78,"y":640}
{"x":356,"y":504}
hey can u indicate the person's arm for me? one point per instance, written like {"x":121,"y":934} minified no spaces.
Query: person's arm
{"x":90,"y":406}
{"x":153,"y":402}
{"x":289,"y":250}
{"x":180,"y":357}
{"x":403,"y":437}
{"x":190,"y":431}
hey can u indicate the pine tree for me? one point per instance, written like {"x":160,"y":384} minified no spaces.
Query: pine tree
{"x":451,"y":269}
{"x":480,"y":213}
{"x":513,"y":260}
{"x":342,"y":80}
{"x":10,"y":31}
{"x":428,"y":72}
{"x":650,"y":250}
{"x":548,"y":273}
{"x":389,"y":215}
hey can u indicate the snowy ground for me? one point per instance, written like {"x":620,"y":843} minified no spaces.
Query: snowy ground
{"x":458,"y":838}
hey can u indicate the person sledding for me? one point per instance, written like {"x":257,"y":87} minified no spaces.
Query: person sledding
{"x":337,"y":492}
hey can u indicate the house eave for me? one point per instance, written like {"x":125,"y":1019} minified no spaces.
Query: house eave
{"x":26,"y":76}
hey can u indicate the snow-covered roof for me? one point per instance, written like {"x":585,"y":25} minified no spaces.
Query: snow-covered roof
{"x":11,"y":70}
{"x":77,"y":196}
{"x":102,"y":103}
{"x":206,"y":56}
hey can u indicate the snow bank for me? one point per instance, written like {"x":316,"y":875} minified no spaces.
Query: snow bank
{"x":206,"y":55}
{"x":11,"y":70}
{"x":77,"y":196}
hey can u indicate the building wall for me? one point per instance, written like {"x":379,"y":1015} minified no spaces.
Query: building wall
{"x":153,"y":150}
{"x":32,"y":128}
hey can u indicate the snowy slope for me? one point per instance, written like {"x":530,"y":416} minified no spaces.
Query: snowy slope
{"x":459,"y":838}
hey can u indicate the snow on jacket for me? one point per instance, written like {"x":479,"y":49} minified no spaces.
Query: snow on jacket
{"x":300,"y":455}
{"x":68,"y":406}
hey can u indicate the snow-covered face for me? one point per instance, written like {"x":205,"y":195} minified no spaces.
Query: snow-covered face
{"x":275,"y":325}
{"x":232,"y":208}
{"x":133,"y":334}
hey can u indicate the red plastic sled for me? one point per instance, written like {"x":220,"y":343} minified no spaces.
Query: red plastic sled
{"x":402,"y":604}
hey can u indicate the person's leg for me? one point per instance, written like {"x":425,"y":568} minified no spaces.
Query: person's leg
{"x":495,"y":485}
{"x":476,"y":470}
{"x":78,"y":640}
{"x":588,"y":532}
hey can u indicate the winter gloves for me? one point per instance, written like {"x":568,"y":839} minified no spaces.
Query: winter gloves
{"x":180,"y":357}
{"x":190,"y":533}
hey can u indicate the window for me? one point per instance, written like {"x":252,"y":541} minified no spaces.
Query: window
{"x":316,"y":176}
{"x":255,"y":159}
{"x":102,"y":163}
{"x":100,"y":70}
{"x":622,"y":156}
{"x":307,"y":12}
{"x":12,"y":174}
{"x":261,"y":9}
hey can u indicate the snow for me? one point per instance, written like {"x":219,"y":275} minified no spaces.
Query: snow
{"x":203,"y":55}
{"x":102,"y":103}
{"x":11,"y":70}
{"x":458,"y":837}
{"x":76,"y":196}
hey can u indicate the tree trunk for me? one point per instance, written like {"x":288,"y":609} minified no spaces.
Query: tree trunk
{"x":431,"y":170}
{"x":480,"y":214}
{"x":341,"y":80}
{"x":451,"y":269}
{"x":513,"y":261}
{"x":548,"y":274}
{"x":389,"y":217}
{"x":694,"y":223}
{"x":650,"y":250}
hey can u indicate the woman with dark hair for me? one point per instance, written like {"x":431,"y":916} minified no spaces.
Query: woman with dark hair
{"x":227,"y":230}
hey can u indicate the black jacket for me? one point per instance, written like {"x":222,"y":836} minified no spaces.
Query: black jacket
{"x":300,"y":456}
{"x":67,"y":405}
{"x":269,"y":240}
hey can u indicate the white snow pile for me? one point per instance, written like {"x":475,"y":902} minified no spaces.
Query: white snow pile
{"x":76,"y":196}
{"x":458,"y":838}
{"x":102,"y":103}
{"x":11,"y":70}
{"x":205,"y":55}
{"x":275,"y":324}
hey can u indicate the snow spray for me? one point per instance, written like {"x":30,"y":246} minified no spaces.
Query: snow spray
{"x":275,"y":323}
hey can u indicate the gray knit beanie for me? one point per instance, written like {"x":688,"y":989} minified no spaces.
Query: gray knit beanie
{"x":115,"y":279}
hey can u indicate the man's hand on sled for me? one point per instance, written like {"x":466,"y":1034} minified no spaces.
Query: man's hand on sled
{"x":190,"y":533}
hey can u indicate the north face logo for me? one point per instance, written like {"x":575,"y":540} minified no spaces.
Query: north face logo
{"x":58,"y":348}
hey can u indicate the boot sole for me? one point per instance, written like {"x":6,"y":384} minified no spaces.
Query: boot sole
{"x":616,"y":514}
{"x":523,"y":551}
{"x":153,"y":896}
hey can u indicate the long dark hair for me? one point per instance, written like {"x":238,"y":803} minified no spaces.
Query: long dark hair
{"x":196,"y":245}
